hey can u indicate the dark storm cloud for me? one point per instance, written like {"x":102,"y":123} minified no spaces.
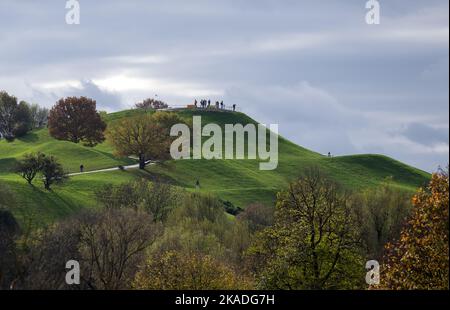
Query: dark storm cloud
{"x":332,"y":82}
{"x":426,"y":135}
{"x":106,"y":100}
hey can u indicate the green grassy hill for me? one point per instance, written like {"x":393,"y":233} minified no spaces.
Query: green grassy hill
{"x":239,"y":181}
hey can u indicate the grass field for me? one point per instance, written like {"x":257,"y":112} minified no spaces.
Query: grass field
{"x":239,"y":181}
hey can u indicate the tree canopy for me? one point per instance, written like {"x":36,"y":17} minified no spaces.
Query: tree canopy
{"x":146,"y":136}
{"x":420,"y":258}
{"x":76,"y":119}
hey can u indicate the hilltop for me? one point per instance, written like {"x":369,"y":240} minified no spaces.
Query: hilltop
{"x":239,"y":181}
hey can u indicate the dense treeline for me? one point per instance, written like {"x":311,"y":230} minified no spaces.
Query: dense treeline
{"x":151,"y":235}
{"x":18,"y":118}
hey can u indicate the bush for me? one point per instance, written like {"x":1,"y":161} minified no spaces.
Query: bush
{"x":173,"y":270}
{"x":230,"y":207}
{"x":257,"y":216}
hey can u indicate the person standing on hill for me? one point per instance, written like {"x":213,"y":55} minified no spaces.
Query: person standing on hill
{"x":221,"y":105}
{"x":234,"y":107}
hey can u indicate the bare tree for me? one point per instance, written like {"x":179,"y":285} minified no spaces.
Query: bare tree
{"x":108,"y":244}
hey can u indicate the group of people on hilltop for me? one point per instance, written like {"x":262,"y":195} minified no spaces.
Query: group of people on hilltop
{"x":207,"y":104}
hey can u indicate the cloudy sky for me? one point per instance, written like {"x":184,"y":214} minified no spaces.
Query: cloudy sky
{"x":331,"y":81}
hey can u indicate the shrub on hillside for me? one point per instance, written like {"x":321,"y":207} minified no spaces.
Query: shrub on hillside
{"x":151,"y":103}
{"x":258,"y":216}
{"x":174,"y":270}
{"x":155,"y":198}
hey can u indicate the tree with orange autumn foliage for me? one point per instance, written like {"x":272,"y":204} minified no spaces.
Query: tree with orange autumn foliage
{"x":420,"y":258}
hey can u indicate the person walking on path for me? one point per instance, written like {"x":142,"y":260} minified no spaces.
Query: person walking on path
{"x":81,"y":168}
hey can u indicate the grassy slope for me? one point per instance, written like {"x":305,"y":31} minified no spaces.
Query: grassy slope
{"x":239,"y":181}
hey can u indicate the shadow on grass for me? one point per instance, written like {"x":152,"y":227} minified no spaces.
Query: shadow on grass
{"x":8,"y":164}
{"x":124,"y":160}
{"x":31,"y":137}
{"x":50,"y":198}
{"x":156,"y":177}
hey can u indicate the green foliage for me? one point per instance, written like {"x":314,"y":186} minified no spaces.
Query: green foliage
{"x":314,"y":243}
{"x":156,"y":198}
{"x":39,"y":116}
{"x":187,"y":271}
{"x":237,"y":181}
{"x":230,"y":208}
{"x":52,"y":171}
{"x":15,"y":119}
{"x":199,"y":224}
{"x":382,"y":212}
{"x":146,"y":136}
{"x":23,"y":119}
{"x":48,"y":166}
{"x":30,"y":165}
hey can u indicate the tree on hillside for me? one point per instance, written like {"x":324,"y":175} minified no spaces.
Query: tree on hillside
{"x":146,"y":136}
{"x":8,"y":106}
{"x":151,"y":104}
{"x":30,"y":165}
{"x":52,"y":171}
{"x":23,"y":119}
{"x":314,"y":243}
{"x":76,"y":119}
{"x":15,"y":119}
{"x":109,"y":244}
{"x":420,"y":258}
{"x":39,"y":116}
{"x":155,"y":198}
{"x":382,"y":213}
